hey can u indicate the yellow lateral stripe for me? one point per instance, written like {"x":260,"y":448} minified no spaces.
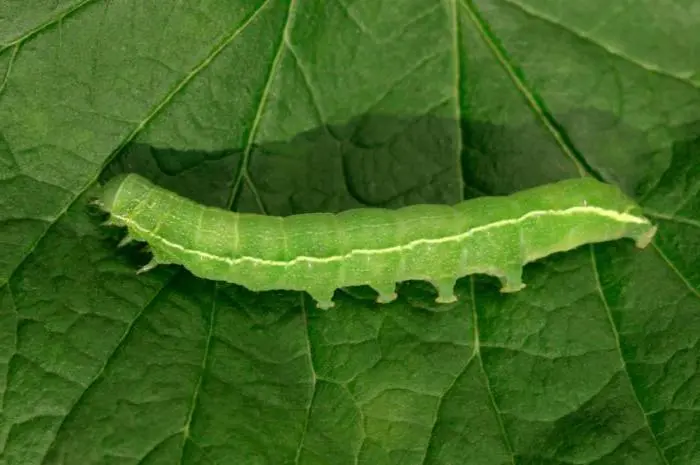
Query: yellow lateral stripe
{"x":617,"y":216}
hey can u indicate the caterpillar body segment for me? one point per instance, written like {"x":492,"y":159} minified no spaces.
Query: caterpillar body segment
{"x":321,"y":252}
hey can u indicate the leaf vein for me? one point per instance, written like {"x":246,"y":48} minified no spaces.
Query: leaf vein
{"x":487,"y":381}
{"x":423,"y":61}
{"x":439,"y":406}
{"x":458,"y":98}
{"x":202,"y":371}
{"x":168,"y":97}
{"x":620,"y":354}
{"x":6,"y":77}
{"x":320,"y":114}
{"x":50,"y":22}
{"x":685,"y":281}
{"x":314,"y":383}
{"x":536,"y":105}
{"x":672,"y":218}
{"x":100,"y":372}
{"x":243,"y":174}
{"x":3,"y":389}
{"x":650,"y":67}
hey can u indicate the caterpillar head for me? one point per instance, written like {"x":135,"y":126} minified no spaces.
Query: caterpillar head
{"x":110,"y":192}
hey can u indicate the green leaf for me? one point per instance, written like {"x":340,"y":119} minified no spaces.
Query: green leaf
{"x":285,"y":107}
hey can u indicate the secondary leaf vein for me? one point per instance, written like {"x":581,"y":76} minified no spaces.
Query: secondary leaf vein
{"x":6,"y":77}
{"x":623,"y":362}
{"x":32,"y":32}
{"x":101,"y":370}
{"x":487,"y":381}
{"x":314,"y":381}
{"x":3,"y":389}
{"x":156,"y":110}
{"x":650,"y":67}
{"x":203,"y":369}
{"x":458,"y":98}
{"x":685,"y":281}
{"x":243,"y":174}
{"x":537,"y":107}
{"x":673,"y":218}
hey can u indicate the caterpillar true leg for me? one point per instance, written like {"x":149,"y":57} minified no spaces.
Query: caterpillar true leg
{"x":445,"y":288}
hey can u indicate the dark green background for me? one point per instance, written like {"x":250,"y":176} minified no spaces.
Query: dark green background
{"x":288,"y":107}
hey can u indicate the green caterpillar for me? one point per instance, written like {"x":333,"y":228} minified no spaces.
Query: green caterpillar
{"x":321,"y":252}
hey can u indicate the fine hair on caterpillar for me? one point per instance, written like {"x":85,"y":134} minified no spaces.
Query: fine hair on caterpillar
{"x":321,"y":252}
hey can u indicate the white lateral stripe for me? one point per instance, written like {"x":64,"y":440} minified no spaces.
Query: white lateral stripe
{"x":617,"y":216}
